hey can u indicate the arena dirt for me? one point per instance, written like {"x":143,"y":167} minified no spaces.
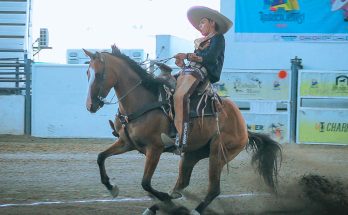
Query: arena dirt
{"x":60,"y":176}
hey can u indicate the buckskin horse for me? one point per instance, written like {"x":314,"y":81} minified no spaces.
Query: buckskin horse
{"x":141,"y":120}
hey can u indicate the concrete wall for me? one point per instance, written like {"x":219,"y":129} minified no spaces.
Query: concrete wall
{"x":277,"y":55}
{"x":168,"y":46}
{"x":58,"y":104}
{"x":12,"y":114}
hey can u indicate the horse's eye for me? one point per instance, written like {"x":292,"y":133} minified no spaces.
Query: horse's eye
{"x":99,"y":76}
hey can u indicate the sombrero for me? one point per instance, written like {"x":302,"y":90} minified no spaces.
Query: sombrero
{"x":338,"y":4}
{"x":196,"y":13}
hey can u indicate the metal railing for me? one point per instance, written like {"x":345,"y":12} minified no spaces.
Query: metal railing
{"x":15,"y":79}
{"x":12,"y":71}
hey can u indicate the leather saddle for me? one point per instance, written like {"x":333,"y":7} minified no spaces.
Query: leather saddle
{"x":202,"y":101}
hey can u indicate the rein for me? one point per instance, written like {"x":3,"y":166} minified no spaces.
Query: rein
{"x":165,"y":60}
{"x":122,"y":97}
{"x":103,"y":100}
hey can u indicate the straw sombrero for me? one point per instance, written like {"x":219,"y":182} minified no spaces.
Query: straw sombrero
{"x":338,"y":4}
{"x":196,"y":13}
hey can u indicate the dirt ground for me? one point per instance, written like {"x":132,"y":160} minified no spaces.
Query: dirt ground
{"x":60,"y":176}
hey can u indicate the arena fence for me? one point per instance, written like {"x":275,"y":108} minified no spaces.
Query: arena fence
{"x":322,"y":115}
{"x":291,"y":105}
{"x":15,"y":95}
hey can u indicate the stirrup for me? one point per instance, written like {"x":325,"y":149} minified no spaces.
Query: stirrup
{"x":169,"y":144}
{"x":167,"y":141}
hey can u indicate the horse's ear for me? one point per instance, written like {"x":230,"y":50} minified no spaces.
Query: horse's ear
{"x":88,"y":53}
{"x":99,"y":56}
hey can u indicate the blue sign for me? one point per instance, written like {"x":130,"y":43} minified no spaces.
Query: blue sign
{"x":292,"y":20}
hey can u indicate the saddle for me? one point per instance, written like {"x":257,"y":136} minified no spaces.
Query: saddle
{"x":203,"y":101}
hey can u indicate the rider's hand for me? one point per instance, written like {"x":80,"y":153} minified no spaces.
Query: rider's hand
{"x":180,"y":56}
{"x":194,"y":57}
{"x":179,"y":62}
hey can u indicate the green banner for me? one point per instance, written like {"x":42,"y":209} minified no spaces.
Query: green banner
{"x":328,"y":84}
{"x":323,"y":126}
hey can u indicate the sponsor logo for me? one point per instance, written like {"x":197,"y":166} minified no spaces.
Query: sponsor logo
{"x":331,"y":127}
{"x":341,"y":84}
{"x":255,"y":127}
{"x":314,"y":83}
{"x":276,"y":85}
{"x":281,"y":11}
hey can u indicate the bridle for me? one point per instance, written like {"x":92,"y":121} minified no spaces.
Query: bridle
{"x":101,"y":100}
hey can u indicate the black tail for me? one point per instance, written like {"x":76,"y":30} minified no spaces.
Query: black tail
{"x":266,"y":153}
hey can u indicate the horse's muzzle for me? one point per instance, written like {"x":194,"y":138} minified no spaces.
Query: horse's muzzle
{"x":95,"y":105}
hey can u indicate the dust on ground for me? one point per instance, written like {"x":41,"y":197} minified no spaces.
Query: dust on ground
{"x":61,"y":176}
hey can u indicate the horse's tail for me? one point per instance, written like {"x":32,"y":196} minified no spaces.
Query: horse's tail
{"x":266,"y":155}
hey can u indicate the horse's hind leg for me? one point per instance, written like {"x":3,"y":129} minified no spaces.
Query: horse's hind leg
{"x":118,"y":147}
{"x":187,"y":162}
{"x":216,"y":163}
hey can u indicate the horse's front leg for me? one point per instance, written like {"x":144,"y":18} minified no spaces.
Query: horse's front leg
{"x":118,"y":147}
{"x":153,"y":155}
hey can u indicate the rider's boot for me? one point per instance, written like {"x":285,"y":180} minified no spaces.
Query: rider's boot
{"x":180,"y":142}
{"x":171,"y":144}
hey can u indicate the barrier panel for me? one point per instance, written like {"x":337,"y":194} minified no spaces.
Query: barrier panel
{"x":12,"y":114}
{"x":263,"y":96}
{"x":322,"y":113}
{"x":58,"y":104}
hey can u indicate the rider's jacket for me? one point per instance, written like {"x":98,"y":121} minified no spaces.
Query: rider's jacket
{"x":213,"y":56}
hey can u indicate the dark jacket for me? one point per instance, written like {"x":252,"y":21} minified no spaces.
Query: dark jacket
{"x":213,"y":57}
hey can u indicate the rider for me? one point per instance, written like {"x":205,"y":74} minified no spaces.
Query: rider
{"x":205,"y":64}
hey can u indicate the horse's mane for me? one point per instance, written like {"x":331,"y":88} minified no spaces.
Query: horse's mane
{"x":148,"y":81}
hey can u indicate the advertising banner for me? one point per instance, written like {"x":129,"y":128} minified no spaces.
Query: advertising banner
{"x":292,"y":20}
{"x":324,"y":83}
{"x":255,"y":84}
{"x":323,"y":126}
{"x":276,"y":125}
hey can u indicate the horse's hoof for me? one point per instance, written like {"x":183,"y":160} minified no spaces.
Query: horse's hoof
{"x":175,"y":195}
{"x":114,"y":191}
{"x":148,"y":212}
{"x":194,"y":212}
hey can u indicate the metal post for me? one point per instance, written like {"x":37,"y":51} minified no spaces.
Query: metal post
{"x":17,"y":77}
{"x":296,"y":64}
{"x":27,"y":113}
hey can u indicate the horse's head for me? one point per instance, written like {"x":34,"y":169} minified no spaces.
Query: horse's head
{"x":99,"y":81}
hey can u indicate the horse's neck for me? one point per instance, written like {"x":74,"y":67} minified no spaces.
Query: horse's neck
{"x":132,"y":95}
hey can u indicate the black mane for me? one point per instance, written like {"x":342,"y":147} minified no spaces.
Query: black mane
{"x":148,"y":81}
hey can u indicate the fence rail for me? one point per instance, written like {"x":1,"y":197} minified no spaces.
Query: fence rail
{"x":15,"y":79}
{"x":12,"y":76}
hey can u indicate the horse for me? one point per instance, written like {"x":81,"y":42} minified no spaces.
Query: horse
{"x":141,"y":119}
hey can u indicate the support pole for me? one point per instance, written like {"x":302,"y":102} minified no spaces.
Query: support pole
{"x":27,"y":109}
{"x":296,"y":64}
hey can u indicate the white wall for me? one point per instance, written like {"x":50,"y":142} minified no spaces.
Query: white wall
{"x":12,"y":114}
{"x":58,"y":104}
{"x":168,"y":45}
{"x":277,"y":55}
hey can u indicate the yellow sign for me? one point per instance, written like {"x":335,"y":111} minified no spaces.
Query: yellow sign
{"x":323,"y":126}
{"x":327,"y":84}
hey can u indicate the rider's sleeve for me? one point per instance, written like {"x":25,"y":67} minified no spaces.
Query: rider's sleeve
{"x":211,"y":53}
